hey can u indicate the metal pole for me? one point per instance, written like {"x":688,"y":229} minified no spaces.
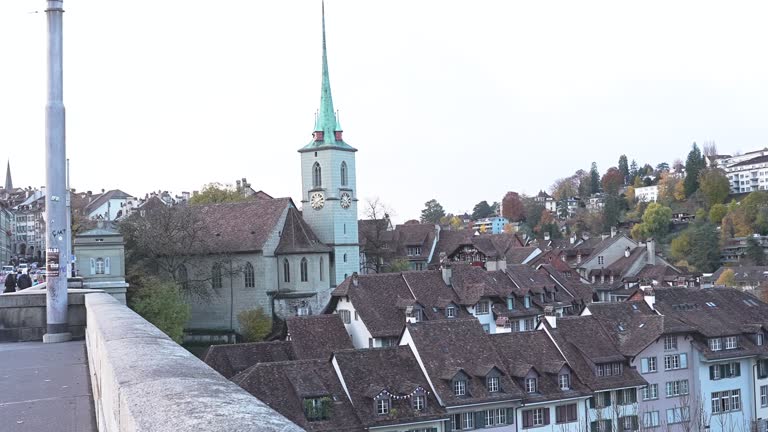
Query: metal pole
{"x":68,"y":236}
{"x":56,"y":258}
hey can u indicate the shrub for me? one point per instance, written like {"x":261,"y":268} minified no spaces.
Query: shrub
{"x":161,"y":304}
{"x":255,"y":324}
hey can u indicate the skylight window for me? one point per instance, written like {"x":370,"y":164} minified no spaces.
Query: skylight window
{"x":710,"y":304}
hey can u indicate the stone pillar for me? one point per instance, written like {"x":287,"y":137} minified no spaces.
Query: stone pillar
{"x":57,"y":258}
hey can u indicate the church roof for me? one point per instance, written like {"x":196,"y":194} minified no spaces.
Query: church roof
{"x":241,"y":226}
{"x":298,"y":237}
{"x":8,"y":181}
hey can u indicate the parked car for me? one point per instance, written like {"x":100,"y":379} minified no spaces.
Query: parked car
{"x":24,"y":267}
{"x":6,"y":270}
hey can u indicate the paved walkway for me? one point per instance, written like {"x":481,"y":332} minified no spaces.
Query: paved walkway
{"x":45,"y":387}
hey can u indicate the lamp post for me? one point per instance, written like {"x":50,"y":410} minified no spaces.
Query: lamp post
{"x":56,"y":257}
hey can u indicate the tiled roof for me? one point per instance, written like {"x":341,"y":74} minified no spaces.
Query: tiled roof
{"x":317,"y":336}
{"x":395,"y":370}
{"x":754,"y":274}
{"x":229,"y":360}
{"x":518,"y":255}
{"x":284,"y":386}
{"x":631,"y":325}
{"x":103,"y":198}
{"x":375,"y":298}
{"x":756,"y":160}
{"x":432,"y":292}
{"x":297,"y":237}
{"x":447,"y":347}
{"x":242,"y":226}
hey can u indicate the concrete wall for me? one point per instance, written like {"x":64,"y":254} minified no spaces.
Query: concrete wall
{"x":23,"y":318}
{"x":143,"y":381}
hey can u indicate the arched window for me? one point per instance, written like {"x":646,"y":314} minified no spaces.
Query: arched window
{"x":321,"y":268}
{"x":317,"y":178}
{"x":250,"y":279}
{"x":107,"y":265}
{"x":183,"y":277}
{"x":216,"y":276}
{"x":286,"y":270}
{"x":345,"y":257}
{"x":99,"y":265}
{"x":304,"y":270}
{"x":343,"y":173}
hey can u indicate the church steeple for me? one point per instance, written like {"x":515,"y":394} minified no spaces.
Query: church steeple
{"x":8,"y":181}
{"x":327,"y":132}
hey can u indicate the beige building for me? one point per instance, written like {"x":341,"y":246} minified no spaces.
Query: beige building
{"x":100,"y":260}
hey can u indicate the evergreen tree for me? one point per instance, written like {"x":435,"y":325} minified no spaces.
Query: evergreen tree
{"x":594,"y":178}
{"x":705,"y":248}
{"x":432,"y":212}
{"x":632,"y":171}
{"x":482,"y":210}
{"x":624,"y":168}
{"x":755,"y":252}
{"x":694,"y":164}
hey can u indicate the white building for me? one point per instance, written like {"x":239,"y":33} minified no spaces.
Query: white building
{"x":647,"y":193}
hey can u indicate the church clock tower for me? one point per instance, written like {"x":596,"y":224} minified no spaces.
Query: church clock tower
{"x":329,"y":190}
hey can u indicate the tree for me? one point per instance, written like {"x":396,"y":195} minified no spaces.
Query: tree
{"x":717,"y":213}
{"x":594,"y":179}
{"x":705,"y":247}
{"x":693,"y":166}
{"x":612,"y":211}
{"x":655,"y":223}
{"x":715,"y":186}
{"x":255,"y":324}
{"x":727,"y":278}
{"x":630,"y":196}
{"x":662,"y":167}
{"x":755,"y":252}
{"x":432,"y":212}
{"x":624,"y":168}
{"x":612,"y":181}
{"x":709,"y":148}
{"x":680,"y":248}
{"x":213,"y":193}
{"x":512,"y":207}
{"x":533,"y":211}
{"x":482,"y":210}
{"x":633,"y":170}
{"x":583,"y":179}
{"x":667,"y":183}
{"x":373,"y":231}
{"x":399,"y":265}
{"x":679,"y":192}
{"x":161,"y":304}
{"x":565,"y":188}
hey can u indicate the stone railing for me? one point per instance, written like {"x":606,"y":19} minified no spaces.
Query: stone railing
{"x":23,"y":318}
{"x":144,"y":381}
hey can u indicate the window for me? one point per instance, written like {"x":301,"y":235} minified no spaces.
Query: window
{"x":481,"y":308}
{"x":600,"y":426}
{"x":527,"y":301}
{"x":107,"y":265}
{"x":648,"y":365}
{"x":628,"y":423}
{"x":99,"y":265}
{"x":303,"y":270}
{"x":513,"y":325}
{"x":650,"y":392}
{"x":487,"y":328}
{"x":726,"y":401}
{"x":250,"y":280}
{"x":530,"y":385}
{"x":343,"y":173}
{"x":677,"y":388}
{"x":535,"y":417}
{"x":670,"y":343}
{"x":286,"y":271}
{"x":493,"y":384}
{"x":450,"y":312}
{"x":676,"y":361}
{"x":762,"y":369}
{"x":317,"y":177}
{"x":529,"y":324}
{"x":678,"y":415}
{"x":608,"y":369}
{"x":415,"y":313}
{"x":414,"y":250}
{"x":382,"y":406}
{"x":510,"y":303}
{"x":564,"y":380}
{"x":468,"y":420}
{"x":600,"y":260}
{"x":651,"y":419}
{"x":419,"y":402}
{"x":216,"y":276}
{"x":321,"y":268}
{"x":345,"y":316}
{"x":600,"y":400}
{"x":345,"y":257}
{"x":494,"y":417}
{"x":731,"y":342}
{"x":626,"y":396}
{"x":317,"y":408}
{"x":460,"y":387}
{"x":759,"y":339}
{"x":764,"y":396}
{"x":727,"y":370}
{"x":715,"y":344}
{"x":565,"y":413}
{"x":183,"y":277}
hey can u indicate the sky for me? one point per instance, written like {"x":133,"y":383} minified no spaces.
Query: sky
{"x":454,"y":100}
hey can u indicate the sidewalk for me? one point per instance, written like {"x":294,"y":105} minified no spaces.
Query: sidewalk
{"x":45,"y":388}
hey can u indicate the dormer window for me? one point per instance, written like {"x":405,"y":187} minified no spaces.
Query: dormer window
{"x":759,"y":339}
{"x":531,"y":385}
{"x":419,"y":401}
{"x":527,"y":301}
{"x":382,"y":405}
{"x":715,"y":344}
{"x":316,"y":409}
{"x":564,"y":381}
{"x":731,"y":342}
{"x":493,"y":384}
{"x":414,"y":250}
{"x":460,"y":387}
{"x":481,"y":308}
{"x":450,"y":312}
{"x":510,"y":303}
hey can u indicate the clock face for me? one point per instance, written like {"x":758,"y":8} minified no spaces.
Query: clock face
{"x":346,"y":200}
{"x":317,"y":200}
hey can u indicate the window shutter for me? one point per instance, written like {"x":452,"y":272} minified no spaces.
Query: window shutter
{"x":592,"y":401}
{"x":527,"y":419}
{"x":479,"y":419}
{"x":546,"y":415}
{"x":609,"y":425}
{"x":644,"y":365}
{"x":620,"y":397}
{"x":738,"y":369}
{"x":572,"y":415}
{"x":632,"y":395}
{"x":621,"y":425}
{"x":712,"y":373}
{"x":510,"y":416}
{"x":93,"y":266}
{"x":593,"y":426}
{"x":107,"y":265}
{"x":607,"y":399}
{"x":723,"y":371}
{"x":559,"y":417}
{"x":635,"y":423}
{"x":683,"y":361}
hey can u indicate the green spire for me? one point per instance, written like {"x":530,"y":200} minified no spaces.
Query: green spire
{"x":326,"y":119}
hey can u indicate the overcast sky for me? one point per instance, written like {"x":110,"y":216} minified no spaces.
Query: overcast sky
{"x":458,"y":101}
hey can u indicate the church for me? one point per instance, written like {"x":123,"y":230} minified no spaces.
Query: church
{"x":267,"y":252}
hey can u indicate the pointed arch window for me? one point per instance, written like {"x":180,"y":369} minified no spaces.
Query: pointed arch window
{"x":183,"y":277}
{"x":321,"y":268}
{"x":250,"y":278}
{"x":216,"y":276}
{"x":317,"y":175}
{"x":343,"y":173}
{"x":304,"y":270}
{"x":286,"y":270}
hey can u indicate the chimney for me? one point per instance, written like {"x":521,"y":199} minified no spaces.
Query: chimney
{"x":549,"y":315}
{"x":603,"y":236}
{"x":355,"y":280}
{"x":613,"y":231}
{"x":627,"y":251}
{"x":573,"y":239}
{"x":649,"y":296}
{"x":237,"y":182}
{"x":445,"y":269}
{"x":651,"y":245}
{"x":546,"y":236}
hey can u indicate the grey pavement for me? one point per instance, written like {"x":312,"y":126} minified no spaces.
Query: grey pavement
{"x":45,"y":387}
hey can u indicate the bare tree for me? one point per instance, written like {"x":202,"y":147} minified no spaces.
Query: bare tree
{"x":373,"y":234}
{"x":709,"y":148}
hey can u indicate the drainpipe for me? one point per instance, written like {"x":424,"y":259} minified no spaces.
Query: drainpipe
{"x":231,"y":303}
